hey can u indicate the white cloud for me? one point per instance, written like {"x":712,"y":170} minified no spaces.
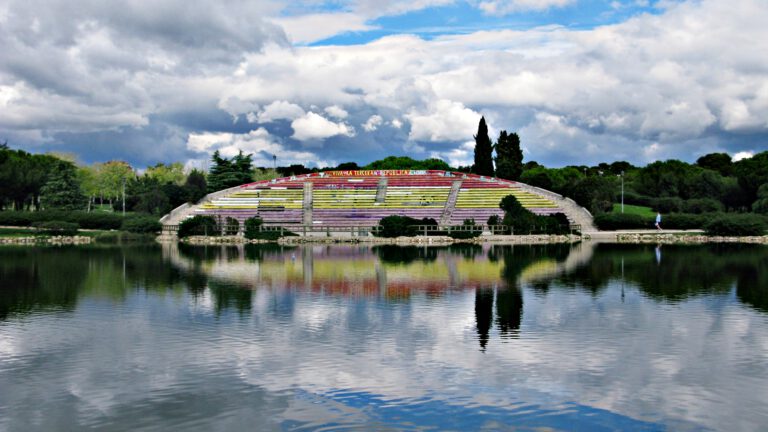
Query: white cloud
{"x":444,"y":121}
{"x":316,"y":127}
{"x":743,"y":155}
{"x":280,"y":110}
{"x":337,"y":112}
{"x":373,"y":123}
{"x":314,"y":27}
{"x":258,"y":142}
{"x":464,"y":155}
{"x":503,"y":7}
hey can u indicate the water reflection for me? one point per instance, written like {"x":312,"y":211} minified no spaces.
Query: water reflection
{"x":469,"y":337}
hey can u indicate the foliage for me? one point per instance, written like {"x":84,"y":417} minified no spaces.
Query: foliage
{"x":668,"y":205}
{"x":397,"y":226}
{"x":404,"y":162}
{"x":227,"y":173}
{"x":253,"y":232}
{"x":170,"y":173}
{"x":196,"y":186}
{"x":596,"y":193}
{"x":56,"y":227}
{"x":483,"y":151}
{"x":260,"y":174}
{"x":22,"y":176}
{"x":702,"y":205}
{"x":616,"y":221}
{"x":720,"y":162}
{"x":509,"y":156}
{"x":462,"y":233}
{"x":111,"y":176}
{"x":62,"y":190}
{"x":231,"y":226}
{"x":737,"y":225}
{"x":198,"y":225}
{"x":494,"y":220}
{"x":83,"y":219}
{"x":141,"y":224}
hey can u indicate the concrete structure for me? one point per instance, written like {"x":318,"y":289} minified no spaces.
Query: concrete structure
{"x":360,"y":198}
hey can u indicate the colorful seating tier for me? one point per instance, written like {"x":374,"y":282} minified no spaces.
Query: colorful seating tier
{"x":364,"y":197}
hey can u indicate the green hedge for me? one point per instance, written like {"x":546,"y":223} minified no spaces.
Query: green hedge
{"x":252,"y":231}
{"x":199,"y":225}
{"x":141,"y":224}
{"x":94,"y":220}
{"x":57,"y":227}
{"x":737,"y":225}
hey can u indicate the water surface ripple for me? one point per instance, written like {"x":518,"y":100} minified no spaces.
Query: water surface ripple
{"x":558,"y":337}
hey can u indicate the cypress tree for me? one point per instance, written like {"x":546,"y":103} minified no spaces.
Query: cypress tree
{"x":509,"y":156}
{"x":483,"y":151}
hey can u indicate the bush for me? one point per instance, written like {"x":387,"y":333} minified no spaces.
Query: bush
{"x":397,"y":226}
{"x":232,"y":226}
{"x":737,"y":225}
{"x":668,"y":205}
{"x":702,"y":205}
{"x":96,"y":220}
{"x":457,"y":233}
{"x":760,"y":206}
{"x":57,"y":227}
{"x":686,"y":220}
{"x":252,"y":230}
{"x":635,"y":198}
{"x":15,"y":218}
{"x":494,"y":220}
{"x":141,"y":224}
{"x":198,"y":225}
{"x":615,"y":221}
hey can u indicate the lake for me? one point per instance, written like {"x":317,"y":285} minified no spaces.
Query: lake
{"x":563,"y":337}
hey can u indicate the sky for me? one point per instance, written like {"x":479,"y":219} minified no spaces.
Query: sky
{"x":321,"y":82}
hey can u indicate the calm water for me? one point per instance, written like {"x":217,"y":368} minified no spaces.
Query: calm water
{"x":585,"y":337}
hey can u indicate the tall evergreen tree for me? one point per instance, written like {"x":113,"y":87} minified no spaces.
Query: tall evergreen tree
{"x":62,"y":190}
{"x":509,"y":156}
{"x":195,"y":186}
{"x":227,"y":173}
{"x":483,"y":151}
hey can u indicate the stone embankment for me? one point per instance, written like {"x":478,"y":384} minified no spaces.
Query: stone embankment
{"x":418,"y":240}
{"x":686,"y":239}
{"x":55,"y":240}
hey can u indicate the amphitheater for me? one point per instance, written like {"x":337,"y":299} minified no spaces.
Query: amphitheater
{"x":339,"y":200}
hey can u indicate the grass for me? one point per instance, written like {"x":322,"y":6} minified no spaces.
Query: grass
{"x":636,"y":210}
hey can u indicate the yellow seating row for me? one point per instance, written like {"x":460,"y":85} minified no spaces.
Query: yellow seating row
{"x":490,"y":198}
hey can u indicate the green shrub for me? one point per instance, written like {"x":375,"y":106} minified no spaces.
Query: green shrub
{"x":458,"y":233}
{"x":760,"y":206}
{"x":57,"y":227}
{"x":635,"y":198}
{"x":15,"y":218}
{"x":141,"y":224}
{"x":199,"y":225}
{"x":96,"y":220}
{"x":397,"y":226}
{"x":702,"y":205}
{"x":252,"y":230}
{"x":737,"y":225}
{"x":686,"y":220}
{"x":616,"y":221}
{"x":231,"y":226}
{"x":668,"y":205}
{"x":494,"y":220}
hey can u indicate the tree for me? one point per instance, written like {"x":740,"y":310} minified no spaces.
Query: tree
{"x":195,"y":186}
{"x":170,"y":173}
{"x":509,"y":156}
{"x":111,"y":177}
{"x":483,"y":151}
{"x":404,"y":162}
{"x":62,"y":190}
{"x":720,"y":162}
{"x":227,"y":173}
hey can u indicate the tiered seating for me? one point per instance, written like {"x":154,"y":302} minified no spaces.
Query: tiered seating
{"x":480,"y":201}
{"x":339,"y":200}
{"x":271,"y":203}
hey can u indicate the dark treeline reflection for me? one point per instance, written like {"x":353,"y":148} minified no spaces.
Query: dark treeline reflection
{"x":677,"y":272}
{"x":508,"y":294}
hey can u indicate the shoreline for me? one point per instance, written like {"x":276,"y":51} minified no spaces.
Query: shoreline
{"x":596,"y":237}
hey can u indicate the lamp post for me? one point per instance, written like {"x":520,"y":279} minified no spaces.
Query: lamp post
{"x":622,"y":191}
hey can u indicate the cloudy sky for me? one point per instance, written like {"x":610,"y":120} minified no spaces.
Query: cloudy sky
{"x":320,"y":82}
